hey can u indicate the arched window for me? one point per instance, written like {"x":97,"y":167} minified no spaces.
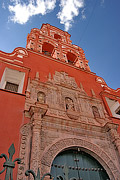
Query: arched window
{"x":69,"y":104}
{"x":71,"y":58}
{"x":95,"y":112}
{"x":41,"y":97}
{"x":47,"y":49}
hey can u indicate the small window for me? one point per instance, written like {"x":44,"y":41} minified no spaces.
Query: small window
{"x":12,"y":80}
{"x":114,"y":106}
{"x":11,"y":86}
{"x":117,"y":111}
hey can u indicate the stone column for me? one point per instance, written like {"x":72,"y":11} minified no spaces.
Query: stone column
{"x":115,"y":138}
{"x":37,"y":112}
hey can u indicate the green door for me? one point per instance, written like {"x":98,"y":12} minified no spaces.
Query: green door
{"x":77,"y":165}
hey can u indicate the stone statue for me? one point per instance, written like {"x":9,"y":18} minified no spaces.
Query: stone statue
{"x":95,"y":112}
{"x":41,"y":97}
{"x":69,"y":104}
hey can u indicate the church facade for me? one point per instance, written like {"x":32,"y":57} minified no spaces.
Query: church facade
{"x":62,"y":117}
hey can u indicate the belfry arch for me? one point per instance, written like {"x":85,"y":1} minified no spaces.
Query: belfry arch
{"x":95,"y":151}
{"x":71,"y":57}
{"x":47,"y":49}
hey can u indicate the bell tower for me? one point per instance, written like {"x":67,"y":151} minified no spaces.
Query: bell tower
{"x":56,"y":43}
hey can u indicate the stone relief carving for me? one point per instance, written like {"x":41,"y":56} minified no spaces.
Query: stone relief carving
{"x":35,"y":150}
{"x":115,"y":137}
{"x":109,"y":148}
{"x":24,"y":150}
{"x":62,"y":78}
{"x":85,"y":106}
{"x":78,"y":107}
{"x":64,"y":86}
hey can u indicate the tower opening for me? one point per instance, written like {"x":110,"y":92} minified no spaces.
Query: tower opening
{"x":47,"y":49}
{"x":57,"y":36}
{"x":71,"y":58}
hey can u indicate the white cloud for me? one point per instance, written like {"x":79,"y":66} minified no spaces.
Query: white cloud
{"x":3,"y":5}
{"x":21,"y":11}
{"x":83,"y":14}
{"x":69,"y":9}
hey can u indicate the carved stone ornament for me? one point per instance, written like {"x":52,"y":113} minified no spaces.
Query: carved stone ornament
{"x":72,"y":114}
{"x":25,"y":129}
{"x":21,"y":52}
{"x":115,"y":137}
{"x":39,"y":109}
{"x":62,"y":78}
{"x":24,"y":150}
{"x":100,"y":80}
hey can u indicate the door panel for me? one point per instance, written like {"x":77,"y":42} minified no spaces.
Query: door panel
{"x":80,"y":165}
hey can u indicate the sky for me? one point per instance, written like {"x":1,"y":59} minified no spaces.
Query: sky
{"x":94,"y":25}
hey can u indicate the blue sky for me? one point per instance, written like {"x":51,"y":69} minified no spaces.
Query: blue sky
{"x":94,"y":25}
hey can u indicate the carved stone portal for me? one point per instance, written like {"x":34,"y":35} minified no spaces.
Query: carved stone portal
{"x":59,"y":108}
{"x":94,"y":150}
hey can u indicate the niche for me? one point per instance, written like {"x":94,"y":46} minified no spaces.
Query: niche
{"x":95,"y":112}
{"x":41,"y":97}
{"x":69,"y":104}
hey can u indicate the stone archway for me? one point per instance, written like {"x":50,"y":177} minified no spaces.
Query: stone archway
{"x":94,"y":150}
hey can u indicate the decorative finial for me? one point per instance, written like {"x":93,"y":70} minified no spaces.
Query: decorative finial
{"x":37,"y":77}
{"x":82,"y":89}
{"x":9,"y":164}
{"x":38,"y":174}
{"x":93,"y":93}
{"x":81,"y":86}
{"x":49,"y":77}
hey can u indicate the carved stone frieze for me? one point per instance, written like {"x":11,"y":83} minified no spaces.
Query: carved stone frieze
{"x":53,"y":112}
{"x":72,"y":114}
{"x":61,"y":113}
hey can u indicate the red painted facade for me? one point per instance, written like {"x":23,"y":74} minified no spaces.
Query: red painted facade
{"x":48,"y":50}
